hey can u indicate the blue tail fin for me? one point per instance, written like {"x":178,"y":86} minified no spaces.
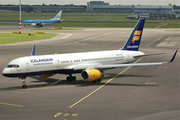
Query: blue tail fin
{"x":33,"y":51}
{"x":134,"y":40}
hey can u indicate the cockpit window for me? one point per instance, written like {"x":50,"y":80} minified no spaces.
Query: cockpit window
{"x":13,"y":66}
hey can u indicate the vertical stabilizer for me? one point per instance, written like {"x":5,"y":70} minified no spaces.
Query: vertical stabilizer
{"x":134,"y":40}
{"x":58,"y":16}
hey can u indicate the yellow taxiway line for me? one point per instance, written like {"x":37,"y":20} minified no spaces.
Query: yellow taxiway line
{"x":11,"y":104}
{"x":153,"y":42}
{"x":102,"y":85}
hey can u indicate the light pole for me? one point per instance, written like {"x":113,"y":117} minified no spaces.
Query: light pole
{"x":19,"y":16}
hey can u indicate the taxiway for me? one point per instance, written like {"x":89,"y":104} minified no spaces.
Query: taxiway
{"x":133,"y":93}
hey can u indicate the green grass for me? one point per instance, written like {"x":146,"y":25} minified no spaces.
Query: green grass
{"x":65,"y":16}
{"x":3,"y":24}
{"x":6,"y":38}
{"x":171,"y":26}
{"x":173,"y":30}
{"x":121,"y":17}
{"x":105,"y":17}
{"x":121,"y":25}
{"x":56,"y":28}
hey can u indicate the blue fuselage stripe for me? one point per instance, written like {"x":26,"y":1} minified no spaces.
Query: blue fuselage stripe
{"x":62,"y":71}
{"x":39,"y":21}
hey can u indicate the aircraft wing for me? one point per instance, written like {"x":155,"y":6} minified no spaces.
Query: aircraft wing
{"x":98,"y":66}
{"x":84,"y":66}
{"x":127,"y":65}
{"x":148,"y":54}
{"x":40,"y":24}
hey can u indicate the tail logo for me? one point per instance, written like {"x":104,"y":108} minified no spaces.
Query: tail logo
{"x":57,"y":16}
{"x":136,"y":36}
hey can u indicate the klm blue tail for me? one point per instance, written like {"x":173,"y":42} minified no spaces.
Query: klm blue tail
{"x":134,"y":40}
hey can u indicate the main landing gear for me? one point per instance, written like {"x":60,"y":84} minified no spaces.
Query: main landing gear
{"x":97,"y":81}
{"x":24,"y":86}
{"x":71,"y":78}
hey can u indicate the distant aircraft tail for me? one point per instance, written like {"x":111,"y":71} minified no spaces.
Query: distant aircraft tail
{"x":58,"y":16}
{"x":134,"y":40}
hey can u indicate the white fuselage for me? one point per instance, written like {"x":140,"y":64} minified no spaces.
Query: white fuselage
{"x":64,"y":63}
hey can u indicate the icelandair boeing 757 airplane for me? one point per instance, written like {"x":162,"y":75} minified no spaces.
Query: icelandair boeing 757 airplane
{"x":41,"y":23}
{"x":91,"y":65}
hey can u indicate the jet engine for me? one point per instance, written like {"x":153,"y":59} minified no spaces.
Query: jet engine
{"x":45,"y":75}
{"x":33,"y":24}
{"x":92,"y":74}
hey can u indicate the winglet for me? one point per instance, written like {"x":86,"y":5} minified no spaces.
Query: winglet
{"x":33,"y":51}
{"x":173,"y":57}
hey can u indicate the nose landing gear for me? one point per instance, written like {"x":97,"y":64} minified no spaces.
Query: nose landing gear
{"x":24,"y":86}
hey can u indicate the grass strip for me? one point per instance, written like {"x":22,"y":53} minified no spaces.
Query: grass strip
{"x":173,"y":30}
{"x":57,"y":28}
{"x":115,"y":25}
{"x":171,"y":26}
{"x":6,"y":38}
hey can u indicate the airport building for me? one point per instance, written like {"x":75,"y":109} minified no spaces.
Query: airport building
{"x":95,"y":7}
{"x":176,"y":9}
{"x":56,"y":8}
{"x":154,"y":16}
{"x":46,"y":8}
{"x":26,"y":8}
{"x":101,"y":6}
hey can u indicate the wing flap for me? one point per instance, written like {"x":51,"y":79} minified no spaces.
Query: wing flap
{"x":127,"y":65}
{"x":148,"y":54}
{"x":136,"y":64}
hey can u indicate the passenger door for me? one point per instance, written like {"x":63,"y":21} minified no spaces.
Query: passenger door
{"x":58,"y":63}
{"x":27,"y":66}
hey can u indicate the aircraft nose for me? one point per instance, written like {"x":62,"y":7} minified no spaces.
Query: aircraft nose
{"x":5,"y":71}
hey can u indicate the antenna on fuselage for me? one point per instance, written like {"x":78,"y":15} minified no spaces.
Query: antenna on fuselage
{"x":33,"y":51}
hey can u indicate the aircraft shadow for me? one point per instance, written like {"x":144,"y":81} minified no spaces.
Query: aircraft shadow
{"x":77,"y":83}
{"x":125,"y":75}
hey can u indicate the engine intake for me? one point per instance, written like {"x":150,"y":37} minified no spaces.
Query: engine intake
{"x":33,"y":24}
{"x":92,"y":74}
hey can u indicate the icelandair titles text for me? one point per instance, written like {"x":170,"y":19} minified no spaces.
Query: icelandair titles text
{"x":41,"y":60}
{"x":135,"y":46}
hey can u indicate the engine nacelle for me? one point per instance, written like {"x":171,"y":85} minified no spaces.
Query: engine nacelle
{"x":45,"y":76}
{"x":92,"y":74}
{"x":33,"y":24}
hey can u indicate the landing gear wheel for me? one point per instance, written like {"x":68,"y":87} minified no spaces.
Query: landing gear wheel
{"x":68,"y":78}
{"x":97,"y":81}
{"x":71,"y":78}
{"x":24,"y":86}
